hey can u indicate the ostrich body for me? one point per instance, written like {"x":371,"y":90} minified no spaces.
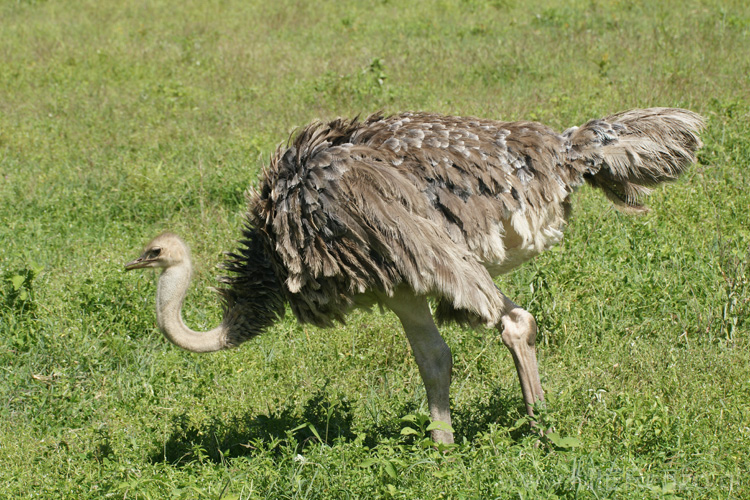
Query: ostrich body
{"x":395,"y":210}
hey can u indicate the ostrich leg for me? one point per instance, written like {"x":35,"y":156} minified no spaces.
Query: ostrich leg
{"x":432,"y":354}
{"x":519,"y":336}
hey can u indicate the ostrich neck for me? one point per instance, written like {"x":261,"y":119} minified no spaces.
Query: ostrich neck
{"x":170,"y":294}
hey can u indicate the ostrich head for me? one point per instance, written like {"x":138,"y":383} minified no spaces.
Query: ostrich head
{"x":166,"y":250}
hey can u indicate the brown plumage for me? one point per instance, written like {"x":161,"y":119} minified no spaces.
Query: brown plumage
{"x":353,"y":213}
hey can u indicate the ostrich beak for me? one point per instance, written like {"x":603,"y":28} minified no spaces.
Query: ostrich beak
{"x":139,"y":263}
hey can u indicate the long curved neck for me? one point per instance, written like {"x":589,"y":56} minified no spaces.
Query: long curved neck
{"x":170,"y":294}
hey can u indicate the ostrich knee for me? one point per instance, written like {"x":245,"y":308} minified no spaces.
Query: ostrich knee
{"x":519,"y":336}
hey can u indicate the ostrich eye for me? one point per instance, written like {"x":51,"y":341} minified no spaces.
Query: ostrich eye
{"x":154,"y":253}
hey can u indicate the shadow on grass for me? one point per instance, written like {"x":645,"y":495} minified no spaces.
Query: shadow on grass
{"x":503,"y":408}
{"x":323,"y":417}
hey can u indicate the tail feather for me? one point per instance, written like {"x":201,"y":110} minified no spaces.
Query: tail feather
{"x":627,"y":153}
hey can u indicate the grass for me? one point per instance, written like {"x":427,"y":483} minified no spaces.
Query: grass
{"x":122,"y":119}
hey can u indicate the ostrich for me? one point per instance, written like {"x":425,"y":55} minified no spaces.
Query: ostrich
{"x":418,"y":212}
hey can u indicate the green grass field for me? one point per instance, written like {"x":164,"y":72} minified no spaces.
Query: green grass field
{"x":120,"y":119}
